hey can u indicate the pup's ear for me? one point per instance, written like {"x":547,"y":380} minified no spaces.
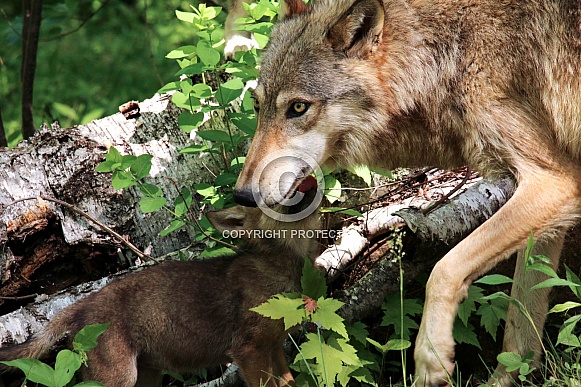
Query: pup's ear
{"x":359,"y":31}
{"x":290,"y":8}
{"x":229,"y":219}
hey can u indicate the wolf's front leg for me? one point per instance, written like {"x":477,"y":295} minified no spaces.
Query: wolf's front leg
{"x":544,"y":202}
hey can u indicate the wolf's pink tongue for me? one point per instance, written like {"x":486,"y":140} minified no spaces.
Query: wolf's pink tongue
{"x":308,"y":184}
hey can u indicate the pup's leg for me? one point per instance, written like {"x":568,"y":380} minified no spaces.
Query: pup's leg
{"x":519,"y":335}
{"x":256,"y":366}
{"x":282,"y":373}
{"x":112,"y":363}
{"x":544,"y":201}
{"x":236,"y":40}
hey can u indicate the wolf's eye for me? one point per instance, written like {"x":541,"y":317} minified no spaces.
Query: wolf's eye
{"x":255,"y":104}
{"x":297,"y":109}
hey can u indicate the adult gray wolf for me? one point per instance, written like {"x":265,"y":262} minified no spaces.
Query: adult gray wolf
{"x":182,"y":316}
{"x":493,"y":84}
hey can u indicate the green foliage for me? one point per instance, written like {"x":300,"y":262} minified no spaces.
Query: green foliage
{"x":67,"y":362}
{"x":513,"y":362}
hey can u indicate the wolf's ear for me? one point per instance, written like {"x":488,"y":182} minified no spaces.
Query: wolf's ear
{"x":290,"y":8}
{"x":229,"y":219}
{"x":359,"y":31}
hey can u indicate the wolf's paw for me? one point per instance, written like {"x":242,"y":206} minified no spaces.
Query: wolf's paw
{"x":238,"y":42}
{"x":433,"y":367}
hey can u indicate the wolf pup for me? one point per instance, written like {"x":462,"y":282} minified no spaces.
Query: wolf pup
{"x":495,"y":85}
{"x":182,"y":316}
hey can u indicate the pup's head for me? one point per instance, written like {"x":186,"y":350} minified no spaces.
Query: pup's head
{"x":308,"y":98}
{"x":266,"y":230}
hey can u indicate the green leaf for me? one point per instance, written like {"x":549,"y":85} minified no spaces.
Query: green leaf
{"x":465,"y":333}
{"x":391,"y":345}
{"x":364,"y":173}
{"x":543,"y":268}
{"x":65,"y":110}
{"x":150,"y":190}
{"x":552,"y":282}
{"x":181,"y":52}
{"x":566,"y":335}
{"x":392,"y":314}
{"x":188,"y":121}
{"x":206,"y":190}
{"x":564,"y":307}
{"x":494,"y":279}
{"x":194,"y":149}
{"x":217,"y":251}
{"x":326,"y":315}
{"x":244,"y":122}
{"x":280,"y":306}
{"x":122,"y":179}
{"x":332,"y":188}
{"x":171,"y":86}
{"x":313,"y":282}
{"x":510,"y":360}
{"x":86,"y":338}
{"x":174,"y":225}
{"x":492,"y":313}
{"x":201,"y":90}
{"x":573,"y":278}
{"x":113,"y":155}
{"x":34,"y":370}
{"x":141,"y":166}
{"x":183,"y":202}
{"x":149,"y":204}
{"x":105,"y":166}
{"x":214,"y":135}
{"x":229,"y":91}
{"x":207,"y":54}
{"x":358,"y":331}
{"x":468,"y":306}
{"x":67,"y":363}
{"x":226,"y":178}
{"x":341,"y":210}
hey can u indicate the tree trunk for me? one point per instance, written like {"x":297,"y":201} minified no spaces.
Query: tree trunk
{"x":30,"y":35}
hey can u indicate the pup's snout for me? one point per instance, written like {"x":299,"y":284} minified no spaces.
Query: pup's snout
{"x":244,"y":198}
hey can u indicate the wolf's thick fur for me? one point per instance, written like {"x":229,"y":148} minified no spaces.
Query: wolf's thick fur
{"x":493,"y":84}
{"x":186,"y":315}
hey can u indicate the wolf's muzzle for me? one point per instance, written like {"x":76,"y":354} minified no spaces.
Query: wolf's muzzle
{"x":244,"y":198}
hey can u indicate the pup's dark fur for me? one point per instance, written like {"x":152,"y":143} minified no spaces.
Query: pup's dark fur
{"x":186,"y":315}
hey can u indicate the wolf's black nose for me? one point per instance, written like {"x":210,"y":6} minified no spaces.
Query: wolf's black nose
{"x":244,"y":198}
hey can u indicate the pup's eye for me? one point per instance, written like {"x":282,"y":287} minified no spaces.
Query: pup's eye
{"x":255,"y":104}
{"x":297,"y":109}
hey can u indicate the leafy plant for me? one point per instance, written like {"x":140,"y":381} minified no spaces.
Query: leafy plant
{"x":67,"y":361}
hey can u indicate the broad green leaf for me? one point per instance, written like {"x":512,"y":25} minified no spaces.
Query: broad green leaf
{"x":210,"y":56}
{"x":543,"y":269}
{"x":149,"y":204}
{"x":313,"y":283}
{"x":392,"y":314}
{"x":566,"y":335}
{"x":465,"y":333}
{"x":181,"y":52}
{"x":492,"y":313}
{"x":217,"y":251}
{"x":113,"y":155}
{"x":214,"y":135}
{"x":150,"y":190}
{"x":122,"y":179}
{"x":171,"y":86}
{"x":192,"y":69}
{"x":201,"y":90}
{"x":67,"y":363}
{"x":65,"y":110}
{"x":34,"y":370}
{"x":510,"y":360}
{"x":552,"y":282}
{"x":188,"y":121}
{"x":105,"y":166}
{"x":332,"y":189}
{"x":188,"y":17}
{"x":358,"y":331}
{"x":494,"y":279}
{"x":573,"y":278}
{"x":126,"y":162}
{"x":326,"y":315}
{"x":226,"y":178}
{"x":244,"y":122}
{"x":279,"y":306}
{"x":206,"y":190}
{"x":174,"y":225}
{"x":341,"y":210}
{"x":183,"y":202}
{"x":564,"y":307}
{"x":391,"y":345}
{"x":86,"y":338}
{"x":193,"y":149}
{"x":364,"y":173}
{"x":229,"y":91}
{"x":141,"y":166}
{"x":468,"y":306}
